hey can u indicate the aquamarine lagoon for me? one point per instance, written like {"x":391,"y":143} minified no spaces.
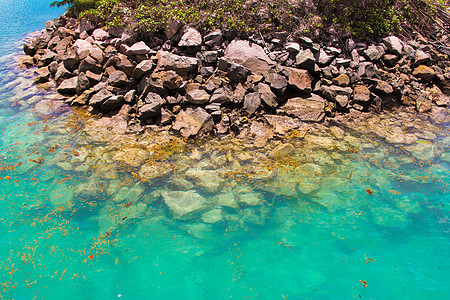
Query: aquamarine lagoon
{"x":327,"y":212}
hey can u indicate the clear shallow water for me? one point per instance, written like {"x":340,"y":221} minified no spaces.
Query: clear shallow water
{"x":77,"y":223}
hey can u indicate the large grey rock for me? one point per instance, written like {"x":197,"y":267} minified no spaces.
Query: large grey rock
{"x":190,"y":38}
{"x":421,"y":57}
{"x":112,"y":103}
{"x":310,"y":109}
{"x":90,"y":64}
{"x":62,"y":73}
{"x":96,"y":53}
{"x":276,"y":81}
{"x":267,"y":96}
{"x":124,"y":64}
{"x":100,"y":35}
{"x":100,"y":97}
{"x":252,"y":101}
{"x":198,"y":96}
{"x":323,"y":59}
{"x":118,"y":79}
{"x":143,"y":68}
{"x":139,"y":48}
{"x":68,"y":86}
{"x":300,"y":79}
{"x":149,"y":110}
{"x":43,"y":75}
{"x":41,"y":41}
{"x":184,"y":205}
{"x":221,"y":95}
{"x":374,"y":53}
{"x":249,"y":55}
{"x":192,"y":121}
{"x":214,"y":38}
{"x":83,"y":83}
{"x":394,"y":44}
{"x":82,"y":48}
{"x":46,"y":59}
{"x":183,"y":65}
{"x":292,"y":47}
{"x":305,"y":60}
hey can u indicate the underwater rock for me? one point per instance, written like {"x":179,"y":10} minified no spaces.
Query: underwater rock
{"x":389,"y":217}
{"x":282,"y":150}
{"x":209,"y":180}
{"x":227,"y":199}
{"x":212,"y":216}
{"x":131,"y":156}
{"x":250,"y":199}
{"x":184,"y":205}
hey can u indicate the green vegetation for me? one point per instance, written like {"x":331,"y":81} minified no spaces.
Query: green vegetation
{"x":364,"y":19}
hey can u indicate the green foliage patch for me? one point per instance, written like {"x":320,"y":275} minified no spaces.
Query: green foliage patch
{"x":362,"y":18}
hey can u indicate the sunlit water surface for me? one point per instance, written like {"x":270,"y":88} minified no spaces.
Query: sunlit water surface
{"x":351,"y":217}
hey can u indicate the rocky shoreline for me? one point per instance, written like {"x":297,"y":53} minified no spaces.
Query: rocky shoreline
{"x":221,"y":85}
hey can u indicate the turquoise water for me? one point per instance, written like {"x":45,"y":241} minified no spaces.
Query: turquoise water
{"x":79,"y":221}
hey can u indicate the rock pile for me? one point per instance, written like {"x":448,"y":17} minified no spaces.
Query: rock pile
{"x":216,"y":84}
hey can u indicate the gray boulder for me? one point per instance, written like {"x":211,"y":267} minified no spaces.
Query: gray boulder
{"x":118,"y":79}
{"x":112,"y":103}
{"x":394,"y":44}
{"x":100,"y":35}
{"x":139,"y":48}
{"x":330,"y":92}
{"x":267,"y":96}
{"x":183,"y":65}
{"x":190,"y":38}
{"x":68,"y":86}
{"x":143,"y":68}
{"x":276,"y":81}
{"x":249,"y":55}
{"x":374,"y":53}
{"x":100,"y":97}
{"x":252,"y":102}
{"x":305,"y":60}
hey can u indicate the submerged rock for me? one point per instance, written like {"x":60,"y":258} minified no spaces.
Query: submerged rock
{"x":184,"y":205}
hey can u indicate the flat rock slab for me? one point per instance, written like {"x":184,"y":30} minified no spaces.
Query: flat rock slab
{"x":283,"y":124}
{"x":311,"y":109}
{"x":189,"y":122}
